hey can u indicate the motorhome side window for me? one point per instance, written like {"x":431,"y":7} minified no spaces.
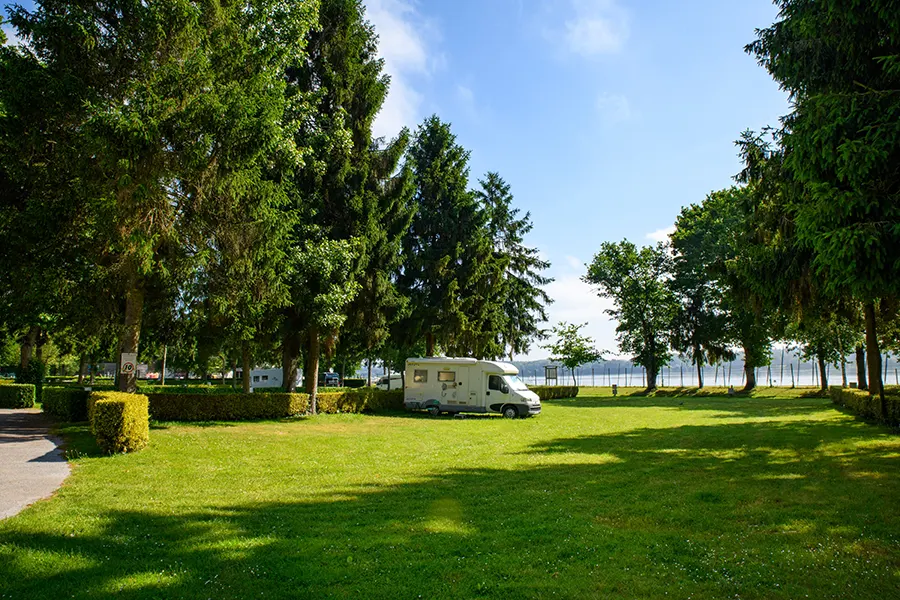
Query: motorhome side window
{"x":446,"y":375}
{"x":420,"y":376}
{"x":495,"y":383}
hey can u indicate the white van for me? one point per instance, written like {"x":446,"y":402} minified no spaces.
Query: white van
{"x":456,"y":385}
{"x":396,"y":382}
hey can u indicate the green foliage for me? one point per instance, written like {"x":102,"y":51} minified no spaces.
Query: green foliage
{"x":572,"y":349}
{"x":120,"y":421}
{"x":17,"y":395}
{"x":354,"y":382}
{"x":554,"y":392}
{"x":168,"y":406}
{"x":520,"y":298}
{"x":360,"y":400}
{"x":65,"y":404}
{"x":637,"y":281}
{"x":196,"y":390}
{"x":868,"y":406}
{"x":448,"y":268}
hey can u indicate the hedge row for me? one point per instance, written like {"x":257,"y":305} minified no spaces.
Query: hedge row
{"x":66,"y":404}
{"x":17,"y":395}
{"x":195,"y":390}
{"x":226,"y":407}
{"x":359,"y":400}
{"x":865,"y":405}
{"x":119,"y":421}
{"x":554,"y":392}
{"x":276,"y":405}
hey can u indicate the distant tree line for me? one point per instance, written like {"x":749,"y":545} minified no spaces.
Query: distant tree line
{"x":199,"y":181}
{"x":806,"y":246}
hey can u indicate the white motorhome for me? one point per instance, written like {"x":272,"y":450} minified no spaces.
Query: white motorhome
{"x":392,"y":382}
{"x":457,"y":385}
{"x":265,"y":378}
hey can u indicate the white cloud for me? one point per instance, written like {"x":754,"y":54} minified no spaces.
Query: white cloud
{"x":596,"y":27}
{"x":465,"y":94}
{"x":577,"y":302}
{"x":661,"y":235}
{"x":614,"y":108}
{"x":402,"y":33}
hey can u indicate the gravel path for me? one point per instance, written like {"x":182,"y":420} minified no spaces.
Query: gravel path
{"x":32,"y":465}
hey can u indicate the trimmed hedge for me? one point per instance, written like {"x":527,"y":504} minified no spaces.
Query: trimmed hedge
{"x":226,"y":407}
{"x":554,"y":392}
{"x":354,"y":382}
{"x":195,"y":390}
{"x":865,"y":405}
{"x":359,"y":400}
{"x":66,"y":404}
{"x":119,"y":421}
{"x":17,"y":395}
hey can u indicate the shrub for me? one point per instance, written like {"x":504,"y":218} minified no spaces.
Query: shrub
{"x":226,"y":407}
{"x":354,"y":382}
{"x":865,"y":405}
{"x":17,"y":395}
{"x":66,"y":404}
{"x":554,"y":392}
{"x":196,"y":390}
{"x":119,"y":421}
{"x":359,"y":400}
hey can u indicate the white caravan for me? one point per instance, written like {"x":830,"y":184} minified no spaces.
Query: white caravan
{"x":394,"y":382}
{"x":456,"y":385}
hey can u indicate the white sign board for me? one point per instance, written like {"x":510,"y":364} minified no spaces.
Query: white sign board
{"x":128,"y":365}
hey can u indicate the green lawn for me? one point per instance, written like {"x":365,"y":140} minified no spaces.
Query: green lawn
{"x":598,"y":497}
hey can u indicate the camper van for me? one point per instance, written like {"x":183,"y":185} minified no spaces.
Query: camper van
{"x":457,"y":385}
{"x":392,"y":382}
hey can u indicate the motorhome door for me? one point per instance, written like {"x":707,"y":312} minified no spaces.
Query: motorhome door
{"x":454,"y":386}
{"x":497,"y":391}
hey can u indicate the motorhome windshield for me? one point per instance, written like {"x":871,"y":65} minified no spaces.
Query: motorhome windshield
{"x":515,"y":383}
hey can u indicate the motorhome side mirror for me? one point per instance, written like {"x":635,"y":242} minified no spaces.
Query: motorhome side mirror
{"x":505,"y":389}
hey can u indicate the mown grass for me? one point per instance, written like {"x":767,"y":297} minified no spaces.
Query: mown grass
{"x":646,"y":497}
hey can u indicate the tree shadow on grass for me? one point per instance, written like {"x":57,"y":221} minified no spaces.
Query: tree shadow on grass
{"x":759,"y":510}
{"x":728,"y":406}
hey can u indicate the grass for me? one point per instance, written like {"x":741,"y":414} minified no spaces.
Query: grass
{"x":651,"y":497}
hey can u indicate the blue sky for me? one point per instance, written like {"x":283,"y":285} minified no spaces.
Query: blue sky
{"x":605,"y":116}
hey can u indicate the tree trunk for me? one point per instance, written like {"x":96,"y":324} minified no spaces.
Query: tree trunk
{"x":245,"y":366}
{"x":651,"y":378}
{"x":27,"y":348}
{"x":874,"y":355}
{"x":861,"y":368}
{"x":750,"y":374}
{"x":233,"y":373}
{"x":39,"y":342}
{"x":369,"y":372}
{"x":823,"y":377}
{"x":699,"y":369}
{"x":312,"y":368}
{"x":162,"y":372}
{"x":91,"y":369}
{"x":429,"y":344}
{"x":290,"y":350}
{"x":131,"y":333}
{"x":81,"y":362}
{"x":843,"y":372}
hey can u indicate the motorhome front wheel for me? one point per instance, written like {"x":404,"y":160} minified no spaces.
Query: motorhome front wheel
{"x":510,"y":412}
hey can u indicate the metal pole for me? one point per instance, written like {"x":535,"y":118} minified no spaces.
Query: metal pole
{"x":781,"y":377}
{"x":682,"y":375}
{"x":593,"y":383}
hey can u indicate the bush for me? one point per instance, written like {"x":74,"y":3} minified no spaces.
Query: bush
{"x":17,"y":395}
{"x":119,"y":421}
{"x":554,"y":392}
{"x":196,"y":390}
{"x":359,"y":400}
{"x":66,"y":404}
{"x":354,"y":382}
{"x":34,"y":374}
{"x":226,"y":407}
{"x":865,"y":405}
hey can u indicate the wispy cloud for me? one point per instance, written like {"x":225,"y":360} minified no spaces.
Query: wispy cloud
{"x":594,"y":28}
{"x":403,"y":33}
{"x":614,"y":108}
{"x":661,"y":235}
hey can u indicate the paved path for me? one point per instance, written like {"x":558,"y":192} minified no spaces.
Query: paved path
{"x":31,"y":464}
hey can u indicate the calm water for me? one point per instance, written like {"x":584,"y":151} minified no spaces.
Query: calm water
{"x":804,"y":374}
